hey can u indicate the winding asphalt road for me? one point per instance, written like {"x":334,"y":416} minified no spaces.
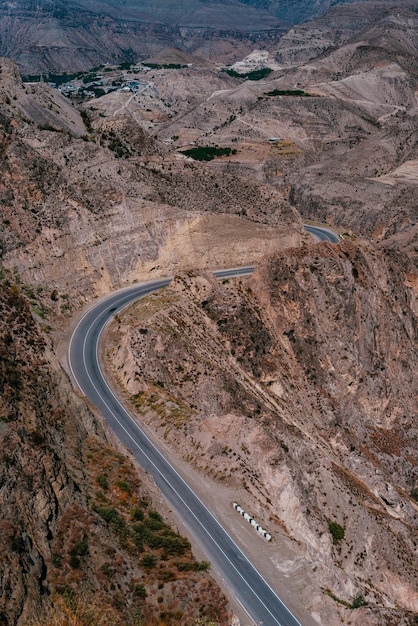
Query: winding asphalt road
{"x":257,"y":598}
{"x":323,"y":234}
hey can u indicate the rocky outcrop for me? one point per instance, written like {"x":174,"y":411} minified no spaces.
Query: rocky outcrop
{"x":296,"y":390}
{"x":37,"y":103}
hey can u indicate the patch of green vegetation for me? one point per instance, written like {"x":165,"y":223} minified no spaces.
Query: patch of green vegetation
{"x":156,"y":517}
{"x":86,"y":119}
{"x":139,"y":528}
{"x":37,"y":438}
{"x":155,"y":533}
{"x":288,"y":92}
{"x":137,"y":514}
{"x":123,"y":486}
{"x":149,"y":561}
{"x":102,"y":481}
{"x":89,"y":78}
{"x":74,"y":561}
{"x":58,"y":79}
{"x":336,"y":598}
{"x":414,"y":494}
{"x":114,"y":519}
{"x":358,"y":601}
{"x":194,"y":566}
{"x":207,"y":153}
{"x":139,"y":590}
{"x":253,"y":75}
{"x":107,"y":569}
{"x":80,"y":549}
{"x":337,"y":532}
{"x":119,"y":148}
{"x":165,"y":66}
{"x":98,"y":91}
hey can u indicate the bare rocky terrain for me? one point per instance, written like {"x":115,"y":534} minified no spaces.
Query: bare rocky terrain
{"x":75,"y":515}
{"x":87,"y":204}
{"x":292,"y":392}
{"x":300,"y":400}
{"x":72,"y":36}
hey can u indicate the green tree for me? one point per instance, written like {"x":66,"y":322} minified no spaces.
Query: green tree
{"x":337,"y":532}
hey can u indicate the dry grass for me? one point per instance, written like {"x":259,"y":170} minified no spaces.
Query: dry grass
{"x":284,"y":148}
{"x":82,"y":610}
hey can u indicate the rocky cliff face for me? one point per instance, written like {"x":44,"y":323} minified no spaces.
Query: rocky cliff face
{"x":296,"y":389}
{"x":76,"y":521}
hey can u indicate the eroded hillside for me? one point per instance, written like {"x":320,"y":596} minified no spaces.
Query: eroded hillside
{"x":111,"y":206}
{"x":296,"y":391}
{"x":87,"y":208}
{"x":67,"y":36}
{"x":333,"y":127}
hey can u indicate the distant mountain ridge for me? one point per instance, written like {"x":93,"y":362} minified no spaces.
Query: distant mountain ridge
{"x":296,"y":11}
{"x":45,"y":36}
{"x":387,"y":28}
{"x":184,"y":13}
{"x":79,"y":34}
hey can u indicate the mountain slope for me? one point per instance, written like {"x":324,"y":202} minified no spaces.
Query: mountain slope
{"x":333,"y":128}
{"x":295,"y":390}
{"x":72,"y":36}
{"x":112,"y":204}
{"x":296,"y":11}
{"x":338,"y":25}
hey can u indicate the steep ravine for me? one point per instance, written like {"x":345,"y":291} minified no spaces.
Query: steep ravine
{"x":296,"y":390}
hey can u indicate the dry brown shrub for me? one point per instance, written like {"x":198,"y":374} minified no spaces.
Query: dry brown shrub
{"x":83,"y":610}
